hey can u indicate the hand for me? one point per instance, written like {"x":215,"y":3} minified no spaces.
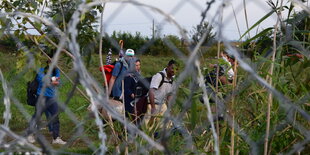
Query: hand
{"x":212,"y":65}
{"x":55,"y":83}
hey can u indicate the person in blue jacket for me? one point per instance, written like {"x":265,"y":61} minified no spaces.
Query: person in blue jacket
{"x":48,"y":104}
{"x":118,"y":74}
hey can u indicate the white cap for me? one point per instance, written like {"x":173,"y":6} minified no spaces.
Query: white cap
{"x":130,"y":52}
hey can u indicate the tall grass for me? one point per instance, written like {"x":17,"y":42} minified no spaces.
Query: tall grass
{"x":272,"y":129}
{"x":77,"y":104}
{"x":249,"y":108}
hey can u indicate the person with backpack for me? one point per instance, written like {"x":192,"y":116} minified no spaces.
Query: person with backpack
{"x":48,"y":103}
{"x":160,"y":92}
{"x":32,"y":98}
{"x":225,"y":77}
{"x":227,"y":65}
{"x":226,"y":72}
{"x":118,"y":74}
{"x":130,"y":88}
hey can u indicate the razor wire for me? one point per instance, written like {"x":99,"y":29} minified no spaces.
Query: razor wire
{"x":192,"y":70}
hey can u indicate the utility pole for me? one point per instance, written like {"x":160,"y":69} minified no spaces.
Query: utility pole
{"x":153,"y":29}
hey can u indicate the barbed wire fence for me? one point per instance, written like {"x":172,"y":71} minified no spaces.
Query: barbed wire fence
{"x":192,"y":69}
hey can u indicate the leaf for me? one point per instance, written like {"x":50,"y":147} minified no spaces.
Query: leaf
{"x":16,"y":33}
{"x":300,"y":47}
{"x":186,"y":91}
{"x":306,"y":32}
{"x":82,"y":17}
{"x":35,"y":40}
{"x":41,"y":37}
{"x":262,"y":33}
{"x":194,"y":114}
{"x":25,"y":20}
{"x":16,"y":3}
{"x":257,"y":23}
{"x":34,"y":5}
{"x":37,"y":25}
{"x":22,"y":36}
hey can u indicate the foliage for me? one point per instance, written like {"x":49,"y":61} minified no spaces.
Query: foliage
{"x":291,"y":78}
{"x":130,"y":41}
{"x":297,"y":28}
{"x":287,"y":78}
{"x":143,"y":45}
{"x":200,"y":30}
{"x":7,"y":41}
{"x":61,"y":13}
{"x":22,"y":6}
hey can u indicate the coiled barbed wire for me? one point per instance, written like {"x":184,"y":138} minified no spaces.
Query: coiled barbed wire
{"x":98,"y":95}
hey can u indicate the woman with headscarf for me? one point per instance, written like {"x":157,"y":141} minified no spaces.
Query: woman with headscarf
{"x":130,"y":84}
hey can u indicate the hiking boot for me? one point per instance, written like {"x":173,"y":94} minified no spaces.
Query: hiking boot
{"x":31,"y":139}
{"x":58,"y":140}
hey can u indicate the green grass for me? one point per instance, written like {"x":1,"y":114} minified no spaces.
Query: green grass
{"x":250,"y":108}
{"x":77,"y":104}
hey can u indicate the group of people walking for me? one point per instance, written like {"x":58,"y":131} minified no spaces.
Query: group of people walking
{"x":127,"y":71}
{"x":124,"y":85}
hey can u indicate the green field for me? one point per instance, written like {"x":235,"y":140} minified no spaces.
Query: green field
{"x":18,"y":77}
{"x":266,"y":109}
{"x":249,"y":109}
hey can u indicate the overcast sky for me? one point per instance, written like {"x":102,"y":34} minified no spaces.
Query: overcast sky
{"x":127,"y":17}
{"x":130,"y":18}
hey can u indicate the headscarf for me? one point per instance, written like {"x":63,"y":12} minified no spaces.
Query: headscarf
{"x":132,"y":68}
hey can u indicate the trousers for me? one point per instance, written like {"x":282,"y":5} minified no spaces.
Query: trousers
{"x":48,"y":105}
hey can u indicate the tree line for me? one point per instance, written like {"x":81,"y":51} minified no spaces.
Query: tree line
{"x":60,"y":13}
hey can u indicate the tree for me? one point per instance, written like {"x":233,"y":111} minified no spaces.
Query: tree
{"x":17,"y":24}
{"x":61,"y":13}
{"x":198,"y":32}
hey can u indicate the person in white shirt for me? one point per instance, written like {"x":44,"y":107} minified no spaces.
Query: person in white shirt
{"x":160,"y":93}
{"x":225,"y":77}
{"x":228,"y":68}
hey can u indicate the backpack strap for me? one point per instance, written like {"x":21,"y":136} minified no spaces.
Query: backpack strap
{"x":120,"y":71}
{"x":163,"y":80}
